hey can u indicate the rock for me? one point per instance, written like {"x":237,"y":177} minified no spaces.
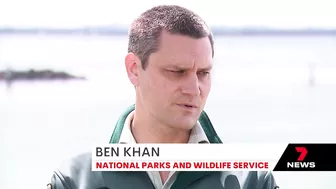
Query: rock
{"x":13,"y":75}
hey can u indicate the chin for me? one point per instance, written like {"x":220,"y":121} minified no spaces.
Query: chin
{"x":185,"y":124}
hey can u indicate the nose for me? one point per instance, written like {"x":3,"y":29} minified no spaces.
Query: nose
{"x":191,"y":85}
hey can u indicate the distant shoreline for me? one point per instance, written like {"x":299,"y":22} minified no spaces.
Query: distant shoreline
{"x":10,"y":75}
{"x":124,"y":31}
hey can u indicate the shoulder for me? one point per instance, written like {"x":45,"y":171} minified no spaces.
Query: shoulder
{"x":267,"y":180}
{"x":74,"y":171}
{"x":249,"y":179}
{"x":77,"y":163}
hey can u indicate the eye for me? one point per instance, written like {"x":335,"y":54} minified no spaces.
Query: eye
{"x":204,"y":73}
{"x":178,"y":71}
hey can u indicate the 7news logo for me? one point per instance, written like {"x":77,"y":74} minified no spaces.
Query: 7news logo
{"x":301,"y":163}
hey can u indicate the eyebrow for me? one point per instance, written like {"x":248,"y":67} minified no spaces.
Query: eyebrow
{"x":206,"y":68}
{"x":178,"y":67}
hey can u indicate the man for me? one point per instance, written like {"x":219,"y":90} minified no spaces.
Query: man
{"x":169,"y":63}
{"x":49,"y":186}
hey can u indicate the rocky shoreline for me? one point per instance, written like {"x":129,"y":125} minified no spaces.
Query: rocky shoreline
{"x":33,"y":75}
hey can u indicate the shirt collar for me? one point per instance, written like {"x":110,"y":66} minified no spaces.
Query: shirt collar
{"x":197,"y":134}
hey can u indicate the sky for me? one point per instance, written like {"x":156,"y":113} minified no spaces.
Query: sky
{"x":240,"y":13}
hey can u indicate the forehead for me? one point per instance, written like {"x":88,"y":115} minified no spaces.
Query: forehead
{"x":181,"y":49}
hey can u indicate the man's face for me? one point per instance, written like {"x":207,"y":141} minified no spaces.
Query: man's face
{"x":175,"y":85}
{"x":49,"y":186}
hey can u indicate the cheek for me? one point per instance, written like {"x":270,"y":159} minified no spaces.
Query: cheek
{"x":155,"y":86}
{"x":161,"y":84}
{"x":205,"y":88}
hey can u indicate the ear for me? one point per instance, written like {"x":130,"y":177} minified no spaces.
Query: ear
{"x":131,"y":68}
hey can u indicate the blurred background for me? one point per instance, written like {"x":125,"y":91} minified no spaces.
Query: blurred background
{"x":274,"y":79}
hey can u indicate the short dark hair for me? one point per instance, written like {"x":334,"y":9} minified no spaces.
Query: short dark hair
{"x":145,"y":31}
{"x":49,"y":184}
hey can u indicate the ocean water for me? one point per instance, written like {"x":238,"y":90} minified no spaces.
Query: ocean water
{"x":260,"y":93}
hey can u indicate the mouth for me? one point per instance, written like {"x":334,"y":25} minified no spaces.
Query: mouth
{"x":187,"y":106}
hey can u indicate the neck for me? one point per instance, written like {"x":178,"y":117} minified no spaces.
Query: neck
{"x":146,"y":129}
